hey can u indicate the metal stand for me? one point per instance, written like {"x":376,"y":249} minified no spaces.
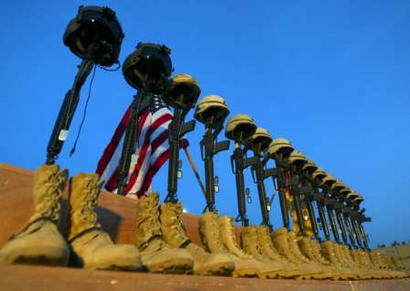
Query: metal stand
{"x":67,"y":110}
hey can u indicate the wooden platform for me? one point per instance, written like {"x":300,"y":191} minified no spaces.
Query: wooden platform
{"x":117,"y":216}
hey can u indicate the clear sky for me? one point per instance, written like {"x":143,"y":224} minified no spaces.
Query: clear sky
{"x":331,"y":76}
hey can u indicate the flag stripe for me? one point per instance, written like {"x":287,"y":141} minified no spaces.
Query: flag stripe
{"x":152,"y":149}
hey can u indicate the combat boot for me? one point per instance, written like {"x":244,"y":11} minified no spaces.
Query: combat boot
{"x":281,"y":243}
{"x":39,"y":241}
{"x":93,"y":247}
{"x":294,"y":247}
{"x":156,"y":255}
{"x":328,"y":252}
{"x":305,"y":248}
{"x":245,"y":265}
{"x":223,"y":240}
{"x":174,"y":234}
{"x":257,"y":242}
{"x":316,"y":253}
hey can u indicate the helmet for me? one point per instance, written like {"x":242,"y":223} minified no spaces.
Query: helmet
{"x":149,"y":67}
{"x":296,"y":158}
{"x":261,"y":138}
{"x":95,"y":34}
{"x":318,"y":174}
{"x":184,"y":91}
{"x":359,"y":199}
{"x":310,"y":166}
{"x":345,"y":191}
{"x":211,"y":106}
{"x":353,"y":195}
{"x":240,"y":127}
{"x":338,"y":185}
{"x":329,"y":180}
{"x":280,"y":145}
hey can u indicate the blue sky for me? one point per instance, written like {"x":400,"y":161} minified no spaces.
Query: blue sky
{"x":331,"y":76}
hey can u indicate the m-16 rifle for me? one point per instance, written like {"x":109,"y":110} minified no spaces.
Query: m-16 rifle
{"x":239,"y":128}
{"x":94,"y":35}
{"x":212,"y":112}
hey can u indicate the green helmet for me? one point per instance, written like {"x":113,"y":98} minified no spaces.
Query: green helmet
{"x":211,"y":106}
{"x":280,"y":145}
{"x":240,"y":127}
{"x":184,"y":91}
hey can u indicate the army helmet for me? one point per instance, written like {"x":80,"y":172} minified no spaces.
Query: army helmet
{"x":280,"y":146}
{"x":353,"y":195}
{"x":212,"y":109}
{"x":183,"y":92}
{"x":345,"y":191}
{"x":95,"y":34}
{"x":240,"y":127}
{"x":318,"y":174}
{"x":148,"y":67}
{"x":328,"y":181}
{"x":260,"y":140}
{"x":310,"y":166}
{"x":338,"y":185}
{"x":296,"y":158}
{"x":359,"y":199}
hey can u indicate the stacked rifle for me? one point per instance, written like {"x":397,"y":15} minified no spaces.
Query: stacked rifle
{"x":316,"y":200}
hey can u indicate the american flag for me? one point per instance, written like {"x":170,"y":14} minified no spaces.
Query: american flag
{"x":152,"y":149}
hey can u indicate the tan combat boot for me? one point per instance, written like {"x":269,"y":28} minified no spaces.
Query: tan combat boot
{"x":224,"y":236}
{"x":294,"y":248}
{"x":39,"y":241}
{"x":305,"y":248}
{"x":263,"y":244}
{"x":156,"y":255}
{"x":223,"y":240}
{"x":173,"y":233}
{"x":282,"y":242}
{"x":316,"y":253}
{"x":93,"y":247}
{"x":328,"y":252}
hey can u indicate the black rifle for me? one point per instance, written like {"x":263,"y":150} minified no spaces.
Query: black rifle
{"x":176,"y":130}
{"x":281,"y":183}
{"x":238,"y":164}
{"x":66,"y":113}
{"x":307,"y":191}
{"x":258,"y":174}
{"x":140,"y":102}
{"x":329,"y":207}
{"x":209,"y":148}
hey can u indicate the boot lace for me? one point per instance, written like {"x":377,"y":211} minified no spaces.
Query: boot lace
{"x":49,"y":205}
{"x":88,"y":204}
{"x":177,"y":225}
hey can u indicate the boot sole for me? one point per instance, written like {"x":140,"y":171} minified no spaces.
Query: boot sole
{"x":246,"y":273}
{"x":54,"y":257}
{"x":40,"y":260}
{"x":217,"y":270}
{"x":171,"y":268}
